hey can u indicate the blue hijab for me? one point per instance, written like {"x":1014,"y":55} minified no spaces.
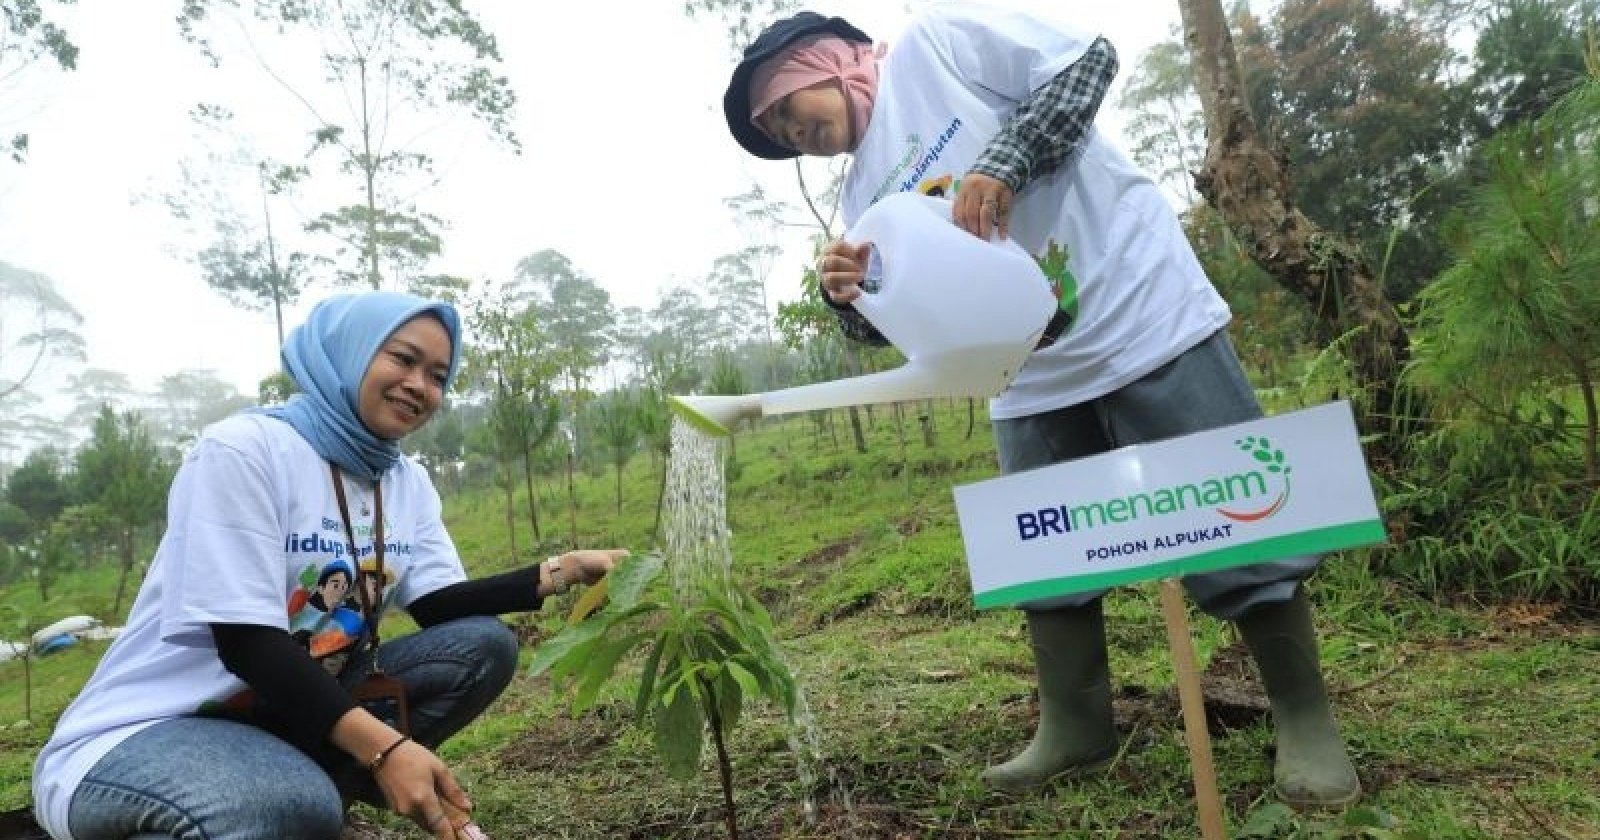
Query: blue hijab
{"x":329,"y":354}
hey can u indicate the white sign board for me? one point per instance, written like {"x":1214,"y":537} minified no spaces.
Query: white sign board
{"x":1263,"y":490}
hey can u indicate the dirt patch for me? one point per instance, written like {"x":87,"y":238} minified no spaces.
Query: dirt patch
{"x":833,"y":473}
{"x":832,"y":552}
{"x":910,"y":525}
{"x":866,"y":821}
{"x":561,"y":743}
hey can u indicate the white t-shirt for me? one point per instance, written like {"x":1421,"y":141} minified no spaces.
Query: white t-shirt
{"x":944,"y":91}
{"x":253,"y":536}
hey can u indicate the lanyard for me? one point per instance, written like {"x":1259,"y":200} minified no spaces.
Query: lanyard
{"x":369,"y":608}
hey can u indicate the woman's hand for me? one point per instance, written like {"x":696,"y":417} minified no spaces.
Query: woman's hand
{"x":589,"y":565}
{"x":416,"y":784}
{"x":983,"y":204}
{"x":841,"y":268}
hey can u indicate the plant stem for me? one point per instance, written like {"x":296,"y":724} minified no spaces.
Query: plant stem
{"x":724,"y":765}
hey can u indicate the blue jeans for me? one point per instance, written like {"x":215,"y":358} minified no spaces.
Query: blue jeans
{"x":200,"y":778}
{"x":1202,"y":389}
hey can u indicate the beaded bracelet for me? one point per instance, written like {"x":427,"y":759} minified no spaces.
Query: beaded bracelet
{"x":383,"y":754}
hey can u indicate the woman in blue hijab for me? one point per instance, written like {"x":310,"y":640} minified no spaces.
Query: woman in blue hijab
{"x":238,"y":702}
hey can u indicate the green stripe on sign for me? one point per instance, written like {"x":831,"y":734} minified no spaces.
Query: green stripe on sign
{"x":1315,"y":541}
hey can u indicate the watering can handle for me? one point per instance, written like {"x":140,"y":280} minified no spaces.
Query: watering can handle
{"x":872,"y":272}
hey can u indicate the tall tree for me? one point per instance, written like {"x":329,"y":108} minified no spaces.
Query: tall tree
{"x":190,"y":400}
{"x":617,"y":430}
{"x":92,"y":388}
{"x":1165,"y":126}
{"x":574,"y":313}
{"x":230,"y":198}
{"x":123,"y":472}
{"x":738,"y":285}
{"x":1528,"y":54}
{"x":389,"y":69}
{"x":40,"y":487}
{"x":23,"y":427}
{"x":1250,"y":186}
{"x":511,"y":361}
{"x":681,"y":329}
{"x":37,"y":327}
{"x":1359,"y":97}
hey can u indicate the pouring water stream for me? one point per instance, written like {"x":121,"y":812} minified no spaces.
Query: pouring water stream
{"x":966,"y":313}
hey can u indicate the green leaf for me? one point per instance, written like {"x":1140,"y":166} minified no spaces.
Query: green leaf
{"x":647,"y":678}
{"x":598,"y":667}
{"x":1269,"y":822}
{"x":1367,"y":817}
{"x":745,"y":679}
{"x":680,"y":734}
{"x":632,"y":577}
{"x":729,"y":699}
{"x":564,"y":644}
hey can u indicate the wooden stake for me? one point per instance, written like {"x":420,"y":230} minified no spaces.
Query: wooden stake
{"x":1190,"y":697}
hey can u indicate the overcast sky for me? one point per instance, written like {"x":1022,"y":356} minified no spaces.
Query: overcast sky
{"x":625,"y":166}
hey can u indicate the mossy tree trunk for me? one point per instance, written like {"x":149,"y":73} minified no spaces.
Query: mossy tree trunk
{"x":1249,"y":186}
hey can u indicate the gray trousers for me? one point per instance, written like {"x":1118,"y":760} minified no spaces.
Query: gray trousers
{"x":1202,"y":389}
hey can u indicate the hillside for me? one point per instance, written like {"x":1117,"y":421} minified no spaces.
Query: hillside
{"x":1465,"y":720}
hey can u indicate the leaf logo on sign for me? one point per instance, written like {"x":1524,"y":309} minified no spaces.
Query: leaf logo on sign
{"x":1273,"y":461}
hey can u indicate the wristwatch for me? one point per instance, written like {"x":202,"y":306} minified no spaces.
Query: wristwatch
{"x":558,"y":584}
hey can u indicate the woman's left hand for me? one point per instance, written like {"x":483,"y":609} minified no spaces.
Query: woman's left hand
{"x":983,"y":204}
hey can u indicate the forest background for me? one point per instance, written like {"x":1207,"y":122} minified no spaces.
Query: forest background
{"x":1399,"y":204}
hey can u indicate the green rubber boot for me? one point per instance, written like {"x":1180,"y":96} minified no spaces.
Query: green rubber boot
{"x":1312,"y":767}
{"x":1076,"y":732}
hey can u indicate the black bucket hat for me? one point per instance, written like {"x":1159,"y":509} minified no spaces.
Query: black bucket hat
{"x":773,"y":40}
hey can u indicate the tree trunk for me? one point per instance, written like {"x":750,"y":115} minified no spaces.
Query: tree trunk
{"x":724,"y":764}
{"x":369,"y":169}
{"x":572,"y":502}
{"x":1591,"y":423}
{"x":533,"y":498}
{"x":511,"y":510}
{"x":272,"y":257}
{"x":1249,"y":186}
{"x":126,"y":540}
{"x":661,"y":496}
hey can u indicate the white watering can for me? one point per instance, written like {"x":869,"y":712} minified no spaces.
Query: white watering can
{"x":965,"y":313}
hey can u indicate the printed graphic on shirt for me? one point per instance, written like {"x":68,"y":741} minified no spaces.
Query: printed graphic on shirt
{"x":325,"y":612}
{"x":941,"y":186}
{"x":1062,"y":284}
{"x":324,"y":609}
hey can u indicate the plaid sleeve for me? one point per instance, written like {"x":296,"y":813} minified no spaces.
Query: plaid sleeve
{"x":1048,"y":126}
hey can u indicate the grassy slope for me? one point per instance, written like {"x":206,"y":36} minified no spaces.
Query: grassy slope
{"x":1465,"y":722}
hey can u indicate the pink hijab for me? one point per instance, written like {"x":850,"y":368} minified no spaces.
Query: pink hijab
{"x":820,"y":58}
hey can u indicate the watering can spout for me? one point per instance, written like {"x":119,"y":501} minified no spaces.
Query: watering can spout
{"x":716,"y":415}
{"x":965,"y":312}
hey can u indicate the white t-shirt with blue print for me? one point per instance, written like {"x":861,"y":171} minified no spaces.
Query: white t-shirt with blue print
{"x":254,"y":536}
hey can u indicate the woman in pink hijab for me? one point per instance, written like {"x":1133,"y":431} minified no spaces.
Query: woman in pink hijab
{"x":994,"y":107}
{"x":816,"y":96}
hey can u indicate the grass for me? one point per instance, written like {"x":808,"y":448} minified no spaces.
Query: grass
{"x":1466,"y":721}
